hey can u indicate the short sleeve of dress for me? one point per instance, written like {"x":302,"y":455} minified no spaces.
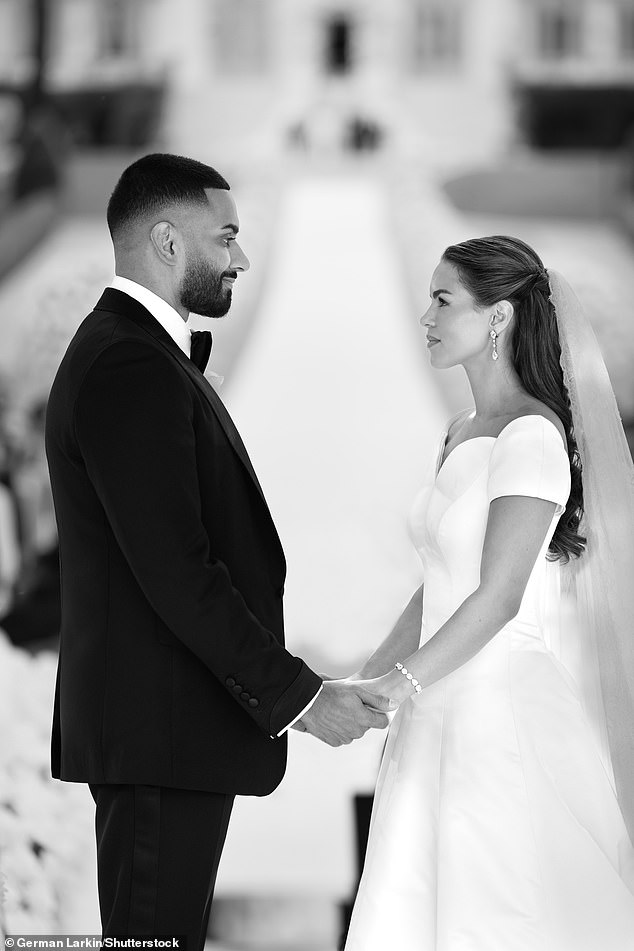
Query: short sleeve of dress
{"x":529,"y":458}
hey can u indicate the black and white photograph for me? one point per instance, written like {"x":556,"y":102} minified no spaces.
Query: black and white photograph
{"x":316,"y":478}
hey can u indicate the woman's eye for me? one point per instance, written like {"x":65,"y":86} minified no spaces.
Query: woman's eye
{"x":441,"y":302}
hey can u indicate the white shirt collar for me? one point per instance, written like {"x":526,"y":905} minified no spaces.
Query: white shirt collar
{"x":168,"y":318}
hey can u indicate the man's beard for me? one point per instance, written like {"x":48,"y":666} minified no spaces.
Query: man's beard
{"x":202,"y":290}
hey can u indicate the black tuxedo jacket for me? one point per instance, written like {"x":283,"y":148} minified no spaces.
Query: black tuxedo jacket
{"x":172,"y":669}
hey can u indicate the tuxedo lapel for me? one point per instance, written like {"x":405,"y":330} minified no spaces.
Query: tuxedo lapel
{"x":221,"y":412}
{"x":115,"y":301}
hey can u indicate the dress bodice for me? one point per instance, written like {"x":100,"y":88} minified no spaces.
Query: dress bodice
{"x":449,"y":517}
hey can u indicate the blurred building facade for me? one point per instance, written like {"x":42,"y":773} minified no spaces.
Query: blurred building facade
{"x":86,"y":39}
{"x":422,"y":76}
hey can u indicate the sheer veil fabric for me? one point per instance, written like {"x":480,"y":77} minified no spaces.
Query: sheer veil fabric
{"x":598,"y":644}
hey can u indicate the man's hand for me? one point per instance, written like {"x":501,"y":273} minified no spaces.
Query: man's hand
{"x":343,"y":712}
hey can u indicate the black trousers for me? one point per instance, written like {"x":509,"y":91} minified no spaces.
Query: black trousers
{"x":158,"y":851}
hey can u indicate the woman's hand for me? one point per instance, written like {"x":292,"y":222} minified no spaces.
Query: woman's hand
{"x":392,"y":685}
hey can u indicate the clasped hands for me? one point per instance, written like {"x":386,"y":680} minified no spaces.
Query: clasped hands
{"x":345,"y":710}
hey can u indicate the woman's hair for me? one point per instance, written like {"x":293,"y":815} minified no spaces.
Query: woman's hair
{"x":503,"y":268}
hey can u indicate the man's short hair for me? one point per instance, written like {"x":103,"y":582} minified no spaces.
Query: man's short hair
{"x":154,"y":182}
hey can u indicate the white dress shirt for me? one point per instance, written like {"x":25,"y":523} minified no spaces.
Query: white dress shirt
{"x":300,"y":715}
{"x":172,"y":322}
{"x":169,"y":319}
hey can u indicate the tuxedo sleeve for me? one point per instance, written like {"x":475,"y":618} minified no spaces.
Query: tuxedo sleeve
{"x":134,"y":427}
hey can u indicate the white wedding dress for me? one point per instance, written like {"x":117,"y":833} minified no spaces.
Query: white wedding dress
{"x":495,"y":825}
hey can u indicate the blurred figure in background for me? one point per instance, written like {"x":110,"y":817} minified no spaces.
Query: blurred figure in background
{"x":10,"y":121}
{"x":10,"y":555}
{"x":43,"y":144}
{"x":39,"y":531}
{"x":33,"y":617}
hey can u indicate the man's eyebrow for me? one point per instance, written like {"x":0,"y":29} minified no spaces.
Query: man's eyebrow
{"x":441,"y":290}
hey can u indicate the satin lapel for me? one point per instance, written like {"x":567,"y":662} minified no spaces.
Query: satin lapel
{"x":221,"y":413}
{"x":117,"y":302}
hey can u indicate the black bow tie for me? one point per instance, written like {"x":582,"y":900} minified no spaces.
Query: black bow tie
{"x":200,"y":348}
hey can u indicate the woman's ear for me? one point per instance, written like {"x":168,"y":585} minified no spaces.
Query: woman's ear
{"x":501,"y":316}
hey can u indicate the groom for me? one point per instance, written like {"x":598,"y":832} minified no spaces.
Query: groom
{"x":174,"y":689}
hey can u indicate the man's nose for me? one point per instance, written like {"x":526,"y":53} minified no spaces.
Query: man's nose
{"x":239,"y":260}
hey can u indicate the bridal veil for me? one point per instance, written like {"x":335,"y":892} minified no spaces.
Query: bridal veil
{"x":600,"y":584}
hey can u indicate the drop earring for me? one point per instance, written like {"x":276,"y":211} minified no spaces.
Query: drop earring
{"x":494,"y":337}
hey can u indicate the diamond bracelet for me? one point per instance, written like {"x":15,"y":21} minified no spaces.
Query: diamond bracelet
{"x":415,"y":684}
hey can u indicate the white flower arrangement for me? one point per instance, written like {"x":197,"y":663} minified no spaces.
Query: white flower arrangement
{"x":45,"y":825}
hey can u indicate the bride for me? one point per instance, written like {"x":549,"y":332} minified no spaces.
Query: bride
{"x":500,"y":815}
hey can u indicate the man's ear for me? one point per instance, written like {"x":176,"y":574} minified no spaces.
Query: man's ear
{"x":164,"y":239}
